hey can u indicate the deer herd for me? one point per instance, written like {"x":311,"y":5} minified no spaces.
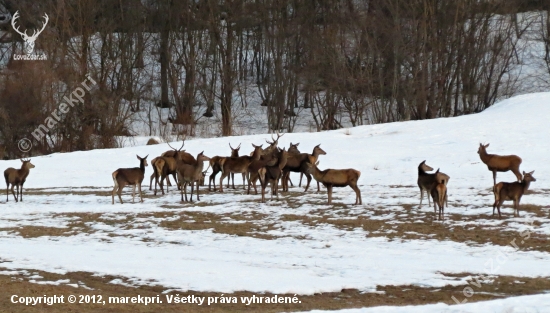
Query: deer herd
{"x":272,"y":165}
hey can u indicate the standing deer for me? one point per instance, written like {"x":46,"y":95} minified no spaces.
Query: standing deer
{"x":216,"y":167}
{"x":293,"y":149}
{"x":239,"y":164}
{"x":335,"y":178}
{"x":512,"y":191}
{"x":439,"y":195}
{"x":129,"y":176}
{"x":189,"y":174}
{"x":426,"y":181}
{"x":17,"y":177}
{"x":499,"y":163}
{"x":270,"y":174}
{"x":296,"y":163}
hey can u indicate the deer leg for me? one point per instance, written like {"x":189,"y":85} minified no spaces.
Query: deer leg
{"x":133,"y":192}
{"x":421,"y":196}
{"x":198,"y":191}
{"x":357,"y":195}
{"x":119,"y":192}
{"x":518,"y":175}
{"x":13,"y":192}
{"x":516,"y":208}
{"x":329,"y":189}
{"x":151,"y":181}
{"x":21,"y":194}
{"x":7,"y":191}
{"x":308,"y":181}
{"x":224,"y":175}
{"x":140,"y":195}
{"x":168,"y":182}
{"x":494,"y":178}
{"x":113,"y":194}
{"x":301,"y":176}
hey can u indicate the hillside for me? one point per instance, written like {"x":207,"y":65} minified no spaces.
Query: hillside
{"x":299,"y":245}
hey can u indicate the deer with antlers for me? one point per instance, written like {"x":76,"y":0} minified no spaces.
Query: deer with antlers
{"x":239,"y":164}
{"x":499,"y":163}
{"x":17,"y":177}
{"x":29,"y":40}
{"x":512,"y":192}
{"x":335,"y":178}
{"x":129,"y":176}
{"x":166,"y":164}
{"x":189,"y":174}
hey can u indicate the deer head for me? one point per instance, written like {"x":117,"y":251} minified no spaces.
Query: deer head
{"x":29,"y":40}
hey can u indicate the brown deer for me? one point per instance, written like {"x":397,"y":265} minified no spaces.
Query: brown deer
{"x":168,"y":167}
{"x":189,"y":174}
{"x":239,"y":164}
{"x":129,"y":176}
{"x":296,"y":163}
{"x":294,"y":150}
{"x":439,"y":195}
{"x":512,"y":191}
{"x":335,"y":178}
{"x":426,"y":181}
{"x":17,"y":177}
{"x":270,"y":174}
{"x":499,"y":163}
{"x":216,"y":167}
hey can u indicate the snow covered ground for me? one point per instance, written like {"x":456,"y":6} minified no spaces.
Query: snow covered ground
{"x":132,"y":240}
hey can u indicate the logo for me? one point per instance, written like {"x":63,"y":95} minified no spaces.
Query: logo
{"x":29,"y":40}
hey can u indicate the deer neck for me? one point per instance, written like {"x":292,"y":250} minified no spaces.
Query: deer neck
{"x":282,"y":162}
{"x":421,"y":172}
{"x":24,"y":171}
{"x":142,"y":166}
{"x":485,"y":157}
{"x":316,"y":173}
{"x":526,"y":185}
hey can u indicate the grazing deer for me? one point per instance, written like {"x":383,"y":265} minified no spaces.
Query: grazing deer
{"x":129,"y":176}
{"x":439,"y":195}
{"x":426,"y":181}
{"x":216,"y":167}
{"x":189,"y":174}
{"x":270,"y":174}
{"x":335,"y":178}
{"x":239,"y":164}
{"x":499,"y":163}
{"x":512,"y":191}
{"x":17,"y":177}
{"x":296,"y":163}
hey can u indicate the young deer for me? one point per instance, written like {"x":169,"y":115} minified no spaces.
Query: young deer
{"x":426,"y":181}
{"x":238,"y":165}
{"x":439,"y":195}
{"x":336,"y":178}
{"x":499,"y":163}
{"x":129,"y":176}
{"x":511,"y":191}
{"x":189,"y":174}
{"x":17,"y":177}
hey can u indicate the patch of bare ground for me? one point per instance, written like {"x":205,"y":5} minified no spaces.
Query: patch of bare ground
{"x":407,"y":226}
{"x":89,"y":284}
{"x":250,"y":224}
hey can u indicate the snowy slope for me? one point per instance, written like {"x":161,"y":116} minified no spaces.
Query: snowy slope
{"x":302,"y":259}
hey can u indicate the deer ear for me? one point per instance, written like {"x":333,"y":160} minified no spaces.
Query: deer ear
{"x":423,"y":162}
{"x":487,"y":145}
{"x":138,"y":157}
{"x":532,"y":172}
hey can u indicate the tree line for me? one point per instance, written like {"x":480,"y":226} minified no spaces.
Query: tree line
{"x":342,"y":61}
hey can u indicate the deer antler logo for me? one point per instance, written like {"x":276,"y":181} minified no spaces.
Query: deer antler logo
{"x":29,"y":40}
